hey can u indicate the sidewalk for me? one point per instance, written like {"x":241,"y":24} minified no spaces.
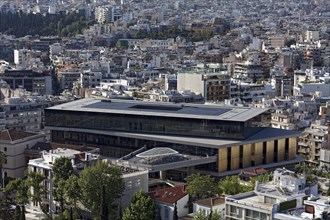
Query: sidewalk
{"x":33,"y":213}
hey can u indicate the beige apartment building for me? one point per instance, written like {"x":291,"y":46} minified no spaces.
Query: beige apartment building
{"x":13,"y":143}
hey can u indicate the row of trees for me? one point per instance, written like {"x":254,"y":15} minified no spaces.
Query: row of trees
{"x":96,"y":189}
{"x":21,"y":24}
{"x":18,"y":192}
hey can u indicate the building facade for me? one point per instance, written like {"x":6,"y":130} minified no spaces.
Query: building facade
{"x":286,"y":191}
{"x":311,"y":142}
{"x":212,"y":83}
{"x":14,"y":143}
{"x":118,"y":127}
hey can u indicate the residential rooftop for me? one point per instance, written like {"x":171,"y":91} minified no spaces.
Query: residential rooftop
{"x":13,"y":135}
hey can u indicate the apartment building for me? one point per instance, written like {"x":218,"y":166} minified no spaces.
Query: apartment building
{"x":44,"y":165}
{"x":13,"y":143}
{"x":212,"y":83}
{"x":35,"y":82}
{"x":286,"y":191}
{"x":311,"y":141}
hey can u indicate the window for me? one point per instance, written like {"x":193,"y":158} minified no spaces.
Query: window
{"x":138,"y":183}
{"x":129,"y":185}
{"x":269,"y":200}
{"x":166,"y":213}
{"x":5,"y":149}
{"x":233,"y":210}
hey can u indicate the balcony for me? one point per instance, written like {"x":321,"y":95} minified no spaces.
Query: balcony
{"x":304,"y":144}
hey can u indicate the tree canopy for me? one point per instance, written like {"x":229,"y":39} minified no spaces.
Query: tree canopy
{"x":21,"y":24}
{"x":200,"y":186}
{"x":141,"y":208}
{"x":200,"y":215}
{"x":91,"y":181}
{"x":3,"y":160}
{"x":62,"y":169}
{"x":230,"y":185}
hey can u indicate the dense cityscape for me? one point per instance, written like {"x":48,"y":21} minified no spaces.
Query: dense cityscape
{"x":165,"y":110}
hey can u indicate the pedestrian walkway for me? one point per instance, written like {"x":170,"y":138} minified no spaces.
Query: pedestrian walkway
{"x":33,"y":213}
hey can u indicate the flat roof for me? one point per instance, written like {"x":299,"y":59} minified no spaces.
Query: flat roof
{"x":191,"y":111}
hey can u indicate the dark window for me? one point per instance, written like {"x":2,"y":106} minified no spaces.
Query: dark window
{"x":275,"y":151}
{"x":229,"y":158}
{"x":286,"y":149}
{"x":241,"y":156}
{"x":264,"y":152}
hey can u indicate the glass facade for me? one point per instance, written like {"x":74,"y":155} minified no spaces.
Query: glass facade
{"x":114,"y":146}
{"x":149,"y":124}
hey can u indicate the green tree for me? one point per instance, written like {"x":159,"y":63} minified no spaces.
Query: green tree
{"x":104,"y":206}
{"x":216,"y":215}
{"x":91,"y":181}
{"x":37,"y":189}
{"x":62,"y":169}
{"x":59,"y":194}
{"x":200,"y":186}
{"x":6,"y":206}
{"x":72,"y":193}
{"x":3,"y":160}
{"x":230,"y":185}
{"x":141,"y":208}
{"x":19,"y":188}
{"x":200,"y":215}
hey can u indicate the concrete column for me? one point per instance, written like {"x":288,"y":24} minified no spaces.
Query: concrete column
{"x":162,"y":174}
{"x":190,"y":170}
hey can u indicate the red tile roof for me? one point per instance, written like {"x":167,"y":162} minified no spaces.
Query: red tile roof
{"x":13,"y":135}
{"x":169,"y":195}
{"x":255,"y":171}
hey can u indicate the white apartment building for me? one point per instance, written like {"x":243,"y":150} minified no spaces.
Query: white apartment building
{"x":90,"y":79}
{"x":135,"y":180}
{"x":312,"y":35}
{"x":212,"y":83}
{"x":44,"y":165}
{"x":206,"y":206}
{"x":286,"y":191}
{"x":105,"y":14}
{"x":248,"y":92}
{"x":248,"y":71}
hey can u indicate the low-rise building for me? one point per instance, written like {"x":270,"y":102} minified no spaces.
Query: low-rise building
{"x":283,"y":119}
{"x":210,"y":205}
{"x":286,"y":191}
{"x":166,"y":199}
{"x":13,"y":143}
{"x":44,"y":166}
